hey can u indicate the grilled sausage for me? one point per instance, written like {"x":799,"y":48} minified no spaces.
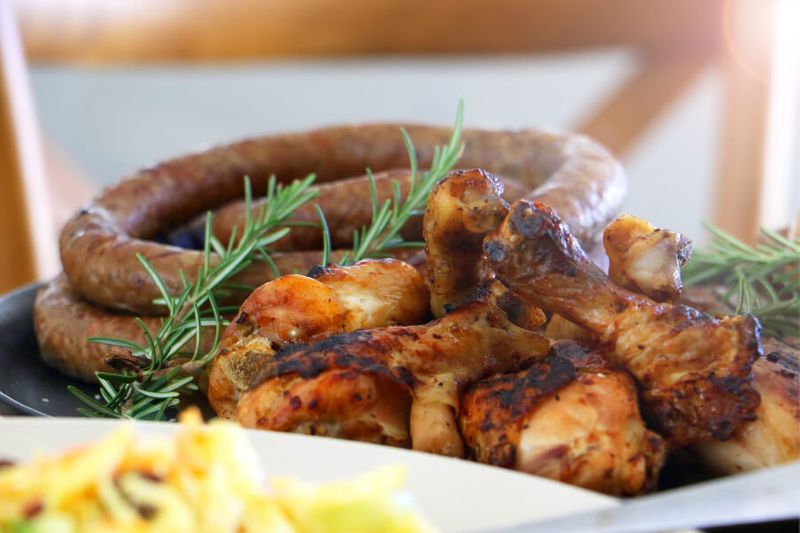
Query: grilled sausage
{"x":347,"y":205}
{"x":64,"y":321}
{"x":574,"y":175}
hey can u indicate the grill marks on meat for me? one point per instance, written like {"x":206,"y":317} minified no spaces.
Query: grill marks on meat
{"x":461,"y":210}
{"x":296,"y":309}
{"x":693,"y":369}
{"x":571,"y":417}
{"x":774,"y":437}
{"x":432,"y":362}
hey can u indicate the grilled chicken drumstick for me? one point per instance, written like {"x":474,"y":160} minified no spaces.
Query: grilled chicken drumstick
{"x":570,"y":417}
{"x":645,"y":259}
{"x":295,"y":308}
{"x":693,"y":369}
{"x":641,"y":258}
{"x":369,"y":384}
{"x":653,"y":258}
{"x":461,"y":210}
{"x":432,"y":362}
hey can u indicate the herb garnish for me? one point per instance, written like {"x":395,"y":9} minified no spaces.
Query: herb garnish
{"x":763,"y":280}
{"x":383,"y":233}
{"x":153,"y":375}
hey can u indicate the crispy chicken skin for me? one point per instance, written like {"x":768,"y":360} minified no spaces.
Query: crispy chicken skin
{"x":571,"y":417}
{"x":693,"y":369}
{"x":432,"y":363}
{"x":461,"y":210}
{"x":641,"y":258}
{"x":774,"y":437}
{"x":645,"y":259}
{"x":296,"y":308}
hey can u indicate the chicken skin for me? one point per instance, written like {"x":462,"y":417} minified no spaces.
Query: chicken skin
{"x":641,"y":258}
{"x":571,"y":417}
{"x":419,"y":372}
{"x":645,"y":259}
{"x":293,"y":308}
{"x":774,"y":436}
{"x":694,"y":370}
{"x":461,"y":210}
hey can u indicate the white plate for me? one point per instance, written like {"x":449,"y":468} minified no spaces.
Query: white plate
{"x":454,"y":494}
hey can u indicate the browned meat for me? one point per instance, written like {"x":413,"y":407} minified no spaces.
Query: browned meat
{"x":640,"y":258}
{"x":297,"y":308}
{"x":461,"y":210}
{"x":645,"y":259}
{"x":774,"y":437}
{"x":347,"y":205}
{"x":99,"y":245}
{"x":693,"y":369}
{"x":570,"y":417}
{"x":431,"y":363}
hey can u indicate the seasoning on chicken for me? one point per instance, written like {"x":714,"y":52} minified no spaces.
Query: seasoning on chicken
{"x":320,"y":388}
{"x":461,"y":210}
{"x":571,"y":417}
{"x":645,"y":259}
{"x":693,"y":369}
{"x":296,"y":308}
{"x":641,"y":258}
{"x":774,"y":436}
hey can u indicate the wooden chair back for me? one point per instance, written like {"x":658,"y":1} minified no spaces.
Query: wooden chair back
{"x":676,"y":40}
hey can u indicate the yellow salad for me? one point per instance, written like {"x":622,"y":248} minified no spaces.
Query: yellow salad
{"x":205,"y":479}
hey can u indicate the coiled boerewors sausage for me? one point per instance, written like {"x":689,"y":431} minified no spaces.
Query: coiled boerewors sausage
{"x":64,"y":321}
{"x":571,"y":173}
{"x":347,"y":205}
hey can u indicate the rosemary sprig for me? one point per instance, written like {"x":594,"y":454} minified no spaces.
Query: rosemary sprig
{"x":763,"y":280}
{"x":383,"y":233}
{"x":152,"y":375}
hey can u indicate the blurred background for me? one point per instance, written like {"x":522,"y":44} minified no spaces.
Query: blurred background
{"x":699,"y":98}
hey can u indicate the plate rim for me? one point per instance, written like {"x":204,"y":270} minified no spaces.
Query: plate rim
{"x":174,"y":426}
{"x":420,"y":464}
{"x":5,"y":398}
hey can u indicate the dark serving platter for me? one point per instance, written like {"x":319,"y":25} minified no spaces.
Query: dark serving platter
{"x":26,"y":383}
{"x":30,"y":386}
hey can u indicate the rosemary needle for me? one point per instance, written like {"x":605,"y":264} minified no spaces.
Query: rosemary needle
{"x":153,"y":375}
{"x":388,"y":219}
{"x":763,"y":280}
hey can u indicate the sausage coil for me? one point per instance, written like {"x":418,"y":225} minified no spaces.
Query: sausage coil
{"x":574,"y":175}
